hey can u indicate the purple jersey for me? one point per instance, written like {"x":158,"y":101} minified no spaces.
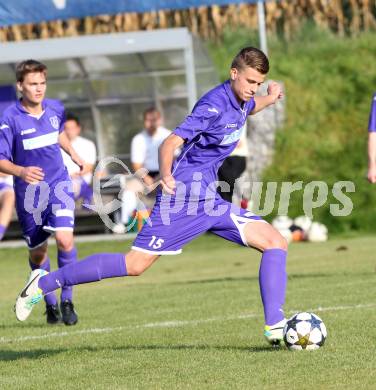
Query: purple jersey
{"x":372,"y":116}
{"x":30,"y":141}
{"x":211,"y":132}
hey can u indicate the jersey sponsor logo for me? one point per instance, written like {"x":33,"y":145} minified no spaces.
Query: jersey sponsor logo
{"x":28,"y":131}
{"x":4,"y":126}
{"x":231,"y":125}
{"x":212,"y":109}
{"x":41,"y":141}
{"x":54,"y":122}
{"x":232,"y":137}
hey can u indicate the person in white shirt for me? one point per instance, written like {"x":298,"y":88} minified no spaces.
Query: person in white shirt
{"x":144,"y":158}
{"x":145,"y":145}
{"x":7,"y":200}
{"x":87,"y":151}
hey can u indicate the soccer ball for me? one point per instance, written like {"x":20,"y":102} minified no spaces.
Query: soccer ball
{"x":304,"y":331}
{"x":303,"y":222}
{"x":286,"y":234}
{"x":317,"y":232}
{"x":282,"y":223}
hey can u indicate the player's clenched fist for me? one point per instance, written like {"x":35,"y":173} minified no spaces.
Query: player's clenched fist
{"x":32,"y":175}
{"x":168,"y":184}
{"x":275,"y":90}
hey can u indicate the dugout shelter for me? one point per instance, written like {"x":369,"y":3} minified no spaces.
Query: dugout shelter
{"x":109,"y":80}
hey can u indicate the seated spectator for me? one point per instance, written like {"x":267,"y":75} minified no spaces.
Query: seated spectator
{"x":87,"y":151}
{"x":144,"y":154}
{"x":7,"y":200}
{"x":233,"y":167}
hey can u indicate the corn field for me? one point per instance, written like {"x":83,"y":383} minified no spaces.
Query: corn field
{"x":282,"y":17}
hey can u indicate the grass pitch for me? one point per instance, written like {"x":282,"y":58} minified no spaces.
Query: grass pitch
{"x":194,"y":321}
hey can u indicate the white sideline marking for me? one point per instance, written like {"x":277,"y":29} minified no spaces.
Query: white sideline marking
{"x":172,"y":324}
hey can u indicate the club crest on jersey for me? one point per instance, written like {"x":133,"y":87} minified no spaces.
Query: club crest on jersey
{"x":54,"y":122}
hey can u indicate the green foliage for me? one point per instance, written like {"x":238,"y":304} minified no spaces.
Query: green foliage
{"x":329,"y":83}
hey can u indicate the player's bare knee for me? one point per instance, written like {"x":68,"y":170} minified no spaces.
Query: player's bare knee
{"x":64,"y":243}
{"x":136,"y":269}
{"x":137,"y":262}
{"x":277,"y":241}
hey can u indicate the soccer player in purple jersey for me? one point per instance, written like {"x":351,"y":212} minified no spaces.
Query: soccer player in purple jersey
{"x":188,"y":205}
{"x":30,"y":139}
{"x":7,"y":199}
{"x":372,"y":142}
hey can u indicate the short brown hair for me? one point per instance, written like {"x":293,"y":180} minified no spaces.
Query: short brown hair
{"x":71,"y":117}
{"x":252,"y":57}
{"x":152,"y":110}
{"x":29,"y":66}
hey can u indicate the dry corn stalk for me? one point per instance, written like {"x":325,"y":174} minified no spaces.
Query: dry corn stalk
{"x":355,"y":20}
{"x":210,"y":22}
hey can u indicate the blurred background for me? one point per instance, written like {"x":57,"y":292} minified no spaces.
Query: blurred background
{"x":109,"y":61}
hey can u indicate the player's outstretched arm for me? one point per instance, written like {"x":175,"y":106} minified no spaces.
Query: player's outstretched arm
{"x":166,"y":157}
{"x":68,"y":148}
{"x":274,"y":93}
{"x":372,"y":156}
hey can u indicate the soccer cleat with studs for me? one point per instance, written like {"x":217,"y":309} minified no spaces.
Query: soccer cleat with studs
{"x":53,"y":314}
{"x":68,"y":313}
{"x":274,"y":333}
{"x":30,"y":295}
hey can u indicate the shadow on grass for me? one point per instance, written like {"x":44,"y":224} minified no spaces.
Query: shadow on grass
{"x":6,"y":356}
{"x":188,"y":347}
{"x":223,"y":348}
{"x":252,"y":278}
{"x":42,"y":326}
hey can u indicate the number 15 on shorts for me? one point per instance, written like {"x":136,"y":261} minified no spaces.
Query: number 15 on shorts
{"x":155,"y":242}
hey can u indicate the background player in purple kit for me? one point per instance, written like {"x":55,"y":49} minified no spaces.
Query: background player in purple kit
{"x":30,"y":140}
{"x":372,"y":142}
{"x":188,"y":204}
{"x":6,"y":202}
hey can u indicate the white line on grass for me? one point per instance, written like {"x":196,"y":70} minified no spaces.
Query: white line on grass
{"x":170,"y":324}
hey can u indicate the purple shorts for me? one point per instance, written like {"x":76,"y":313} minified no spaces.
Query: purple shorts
{"x":173,"y":224}
{"x":55,"y":212}
{"x":5,"y":187}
